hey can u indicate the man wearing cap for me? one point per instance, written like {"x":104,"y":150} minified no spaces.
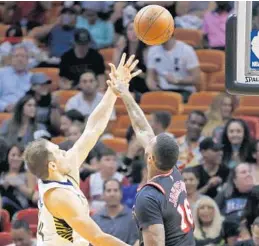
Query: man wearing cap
{"x":40,"y":89}
{"x":60,"y":34}
{"x":81,"y":58}
{"x":211,"y":171}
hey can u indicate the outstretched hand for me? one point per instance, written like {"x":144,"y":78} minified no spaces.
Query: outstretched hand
{"x":120,"y":77}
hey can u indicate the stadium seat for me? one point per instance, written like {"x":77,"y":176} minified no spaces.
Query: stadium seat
{"x":58,"y":140}
{"x":4,"y":117}
{"x":202,"y":85}
{"x":161,"y":101}
{"x":29,"y":215}
{"x":64,"y":95}
{"x":120,"y":107}
{"x":189,"y":36}
{"x":3,"y":29}
{"x":177,"y":126}
{"x":107,"y":55}
{"x":217,"y":82}
{"x":52,"y":73}
{"x":211,"y":60}
{"x":5,"y":220}
{"x":199,"y":101}
{"x":248,"y":105}
{"x":5,"y":238}
{"x":119,"y":145}
{"x":253,"y":124}
{"x":122,"y":125}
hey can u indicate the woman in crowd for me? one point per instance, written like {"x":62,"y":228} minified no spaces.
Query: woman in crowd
{"x":232,"y":199}
{"x":23,"y":122}
{"x":237,"y":141}
{"x":191,"y":180}
{"x":14,"y":187}
{"x":210,"y":226}
{"x":214,"y":25}
{"x":130,"y":44}
{"x":219,"y":113}
{"x":67,"y":120}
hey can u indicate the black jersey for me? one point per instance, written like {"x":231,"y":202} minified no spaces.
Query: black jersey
{"x":163,"y":200}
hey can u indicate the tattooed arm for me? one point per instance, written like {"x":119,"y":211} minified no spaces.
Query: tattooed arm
{"x":143,"y":130}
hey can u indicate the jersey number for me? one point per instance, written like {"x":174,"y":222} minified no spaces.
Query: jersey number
{"x":186,"y":216}
{"x":40,"y":228}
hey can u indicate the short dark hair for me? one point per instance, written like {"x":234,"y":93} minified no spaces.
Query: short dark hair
{"x":198,"y":112}
{"x":74,"y":115}
{"x":37,"y":157}
{"x":112,"y":179}
{"x":191,"y":170}
{"x":166,"y":152}
{"x":105,"y":152}
{"x":21,"y":224}
{"x":164,"y":118}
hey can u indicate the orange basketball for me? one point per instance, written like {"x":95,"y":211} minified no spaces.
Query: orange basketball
{"x":154,"y":25}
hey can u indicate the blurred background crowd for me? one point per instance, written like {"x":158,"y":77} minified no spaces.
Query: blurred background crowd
{"x":54,"y":63}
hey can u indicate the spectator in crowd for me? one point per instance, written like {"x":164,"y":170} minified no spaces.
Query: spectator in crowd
{"x":14,"y":184}
{"x":14,"y":79}
{"x":23,"y":122}
{"x":212,"y":173}
{"x":210,"y":226}
{"x":255,"y":166}
{"x":92,"y":187}
{"x":191,"y":179}
{"x":254,"y":241}
{"x":233,"y":198}
{"x":173,"y":66}
{"x":214,"y":25}
{"x":133,"y":159}
{"x":41,"y":91}
{"x":116,"y":219}
{"x":189,"y":144}
{"x":237,"y":142}
{"x":60,"y":35}
{"x":102,"y":32}
{"x":130,"y":191}
{"x":251,"y":211}
{"x":89,"y":97}
{"x":220,"y":112}
{"x":81,"y":58}
{"x":160,"y":121}
{"x":3,"y":155}
{"x":68,"y":118}
{"x":130,"y":45}
{"x":21,"y":234}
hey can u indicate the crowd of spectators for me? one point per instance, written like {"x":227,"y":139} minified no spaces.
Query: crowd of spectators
{"x":218,"y":158}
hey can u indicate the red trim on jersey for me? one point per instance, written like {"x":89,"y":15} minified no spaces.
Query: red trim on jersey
{"x":158,"y":186}
{"x":163,"y":175}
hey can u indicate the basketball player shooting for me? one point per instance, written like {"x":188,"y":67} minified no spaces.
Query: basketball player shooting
{"x":162,"y":211}
{"x":63,"y":210}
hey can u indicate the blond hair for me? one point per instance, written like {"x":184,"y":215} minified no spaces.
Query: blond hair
{"x":214,"y":114}
{"x":216,"y":225}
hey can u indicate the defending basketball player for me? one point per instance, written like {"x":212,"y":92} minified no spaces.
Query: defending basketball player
{"x":64,"y":213}
{"x":161,"y":209}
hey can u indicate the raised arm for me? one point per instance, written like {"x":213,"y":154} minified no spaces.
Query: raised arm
{"x":73,"y":211}
{"x":96,"y":124}
{"x":143,"y":130}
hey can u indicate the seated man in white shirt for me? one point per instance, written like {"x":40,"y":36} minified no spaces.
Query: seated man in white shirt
{"x":21,"y":234}
{"x":89,"y":97}
{"x":173,"y":66}
{"x":15,"y":80}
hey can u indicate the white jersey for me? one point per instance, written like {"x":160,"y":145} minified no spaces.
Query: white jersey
{"x":53,"y":231}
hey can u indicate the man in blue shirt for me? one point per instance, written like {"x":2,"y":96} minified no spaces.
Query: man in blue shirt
{"x":116,"y":219}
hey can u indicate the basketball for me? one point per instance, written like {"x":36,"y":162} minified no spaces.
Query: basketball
{"x":154,"y":25}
